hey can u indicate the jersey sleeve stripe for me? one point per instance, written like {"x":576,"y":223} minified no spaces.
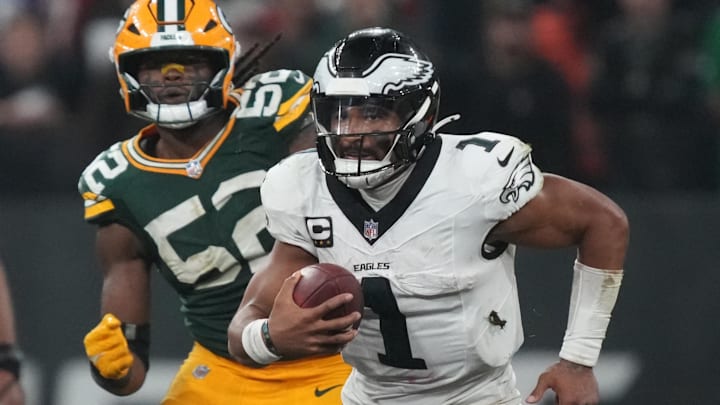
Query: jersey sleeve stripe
{"x":293,"y":108}
{"x":95,"y":209}
{"x":89,"y":195}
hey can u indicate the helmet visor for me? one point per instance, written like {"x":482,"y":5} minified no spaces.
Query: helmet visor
{"x":359,"y":135}
{"x":359,"y":115}
{"x":359,"y":128}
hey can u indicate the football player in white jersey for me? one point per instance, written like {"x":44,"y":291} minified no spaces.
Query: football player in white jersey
{"x":429,"y":224}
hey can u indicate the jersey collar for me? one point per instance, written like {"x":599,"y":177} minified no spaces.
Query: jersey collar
{"x":192,"y":167}
{"x":373,"y":224}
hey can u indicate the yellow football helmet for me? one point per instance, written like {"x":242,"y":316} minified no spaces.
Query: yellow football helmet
{"x":174,"y":25}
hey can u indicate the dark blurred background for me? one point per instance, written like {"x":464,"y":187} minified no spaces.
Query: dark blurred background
{"x":621,"y":94}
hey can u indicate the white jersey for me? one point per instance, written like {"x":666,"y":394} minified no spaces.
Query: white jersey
{"x":442,"y":318}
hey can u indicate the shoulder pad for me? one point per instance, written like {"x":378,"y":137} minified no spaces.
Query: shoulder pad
{"x":499,"y":168}
{"x":280,"y":98}
{"x":288,"y":181}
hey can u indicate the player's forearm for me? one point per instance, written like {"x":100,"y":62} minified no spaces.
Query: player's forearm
{"x":7,"y":320}
{"x":10,"y":355}
{"x":604,"y":241}
{"x":235,"y":330}
{"x":597,"y":276}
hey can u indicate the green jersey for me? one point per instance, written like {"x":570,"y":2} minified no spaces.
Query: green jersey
{"x":201,"y":218}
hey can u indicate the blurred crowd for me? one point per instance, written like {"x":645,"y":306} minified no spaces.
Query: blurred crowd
{"x":621,"y":94}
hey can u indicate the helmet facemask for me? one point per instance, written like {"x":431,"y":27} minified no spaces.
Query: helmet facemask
{"x":365,"y":141}
{"x":175,"y":103}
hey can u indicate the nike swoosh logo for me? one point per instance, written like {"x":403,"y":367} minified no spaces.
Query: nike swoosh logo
{"x":505,"y":161}
{"x":319,"y":392}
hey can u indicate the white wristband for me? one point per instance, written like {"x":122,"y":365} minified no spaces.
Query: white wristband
{"x":254,"y":345}
{"x":594,"y":292}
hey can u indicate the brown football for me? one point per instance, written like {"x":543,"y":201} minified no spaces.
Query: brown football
{"x":322,"y":281}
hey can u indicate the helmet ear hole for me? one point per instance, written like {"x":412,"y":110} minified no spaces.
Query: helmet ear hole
{"x":210,"y":25}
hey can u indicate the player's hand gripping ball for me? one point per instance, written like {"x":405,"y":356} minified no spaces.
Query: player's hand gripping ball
{"x":322,"y":281}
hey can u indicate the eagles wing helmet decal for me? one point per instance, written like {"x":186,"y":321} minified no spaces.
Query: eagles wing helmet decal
{"x":393,"y":71}
{"x":522,"y":177}
{"x":411,"y":71}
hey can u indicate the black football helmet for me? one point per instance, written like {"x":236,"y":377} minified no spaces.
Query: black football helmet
{"x":375,"y":69}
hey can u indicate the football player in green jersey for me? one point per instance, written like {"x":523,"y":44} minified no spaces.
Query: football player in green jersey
{"x":182,"y":196}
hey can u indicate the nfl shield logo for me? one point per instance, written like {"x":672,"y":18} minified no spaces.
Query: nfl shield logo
{"x":370,"y":230}
{"x":194,"y":169}
{"x":201,"y":371}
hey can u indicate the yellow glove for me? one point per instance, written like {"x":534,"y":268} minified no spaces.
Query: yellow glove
{"x":107,"y":348}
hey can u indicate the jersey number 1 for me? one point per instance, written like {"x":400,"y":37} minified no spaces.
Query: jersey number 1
{"x":379,"y":297}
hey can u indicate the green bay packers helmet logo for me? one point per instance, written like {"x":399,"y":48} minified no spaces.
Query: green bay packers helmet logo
{"x":522,"y":177}
{"x":320,"y":231}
